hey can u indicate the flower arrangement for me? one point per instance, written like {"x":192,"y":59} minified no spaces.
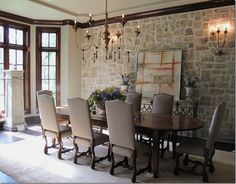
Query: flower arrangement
{"x":98,"y":97}
{"x":190,"y":80}
{"x":125,"y":78}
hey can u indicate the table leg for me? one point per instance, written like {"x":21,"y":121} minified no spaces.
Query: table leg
{"x":174,"y":139}
{"x":155,"y":153}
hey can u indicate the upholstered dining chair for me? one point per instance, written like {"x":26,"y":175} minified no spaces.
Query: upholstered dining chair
{"x":44,"y":92}
{"x":202,"y":148}
{"x":135,"y":99}
{"x":163,"y":104}
{"x":122,"y":135}
{"x":82,"y":130}
{"x":49,"y":122}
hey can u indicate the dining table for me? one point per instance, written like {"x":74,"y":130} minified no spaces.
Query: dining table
{"x":154,"y":122}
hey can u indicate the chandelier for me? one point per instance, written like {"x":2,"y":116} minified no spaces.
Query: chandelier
{"x":113,"y":43}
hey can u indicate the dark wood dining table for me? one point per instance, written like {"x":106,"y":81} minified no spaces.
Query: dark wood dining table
{"x":150,"y":121}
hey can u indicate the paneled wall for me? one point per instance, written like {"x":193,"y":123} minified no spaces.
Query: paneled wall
{"x":189,"y":31}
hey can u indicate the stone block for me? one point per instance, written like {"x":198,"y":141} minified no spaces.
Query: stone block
{"x":217,"y":91}
{"x":189,"y":31}
{"x":205,"y":75}
{"x":205,"y":100}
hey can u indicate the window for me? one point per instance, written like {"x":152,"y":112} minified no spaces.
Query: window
{"x":14,"y":54}
{"x":48,"y":60}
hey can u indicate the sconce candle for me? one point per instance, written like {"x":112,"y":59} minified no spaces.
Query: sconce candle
{"x":218,"y":41}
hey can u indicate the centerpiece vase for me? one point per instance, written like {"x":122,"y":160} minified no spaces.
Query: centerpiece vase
{"x":189,"y":92}
{"x":101,"y":108}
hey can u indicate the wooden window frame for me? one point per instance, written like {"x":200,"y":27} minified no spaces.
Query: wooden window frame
{"x":26,"y":56}
{"x":57,"y":49}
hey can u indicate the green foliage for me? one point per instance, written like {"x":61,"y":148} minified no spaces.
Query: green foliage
{"x":190,"y":80}
{"x":107,"y":94}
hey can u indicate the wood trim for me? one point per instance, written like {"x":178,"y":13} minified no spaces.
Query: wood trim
{"x":134,"y":16}
{"x":16,"y":17}
{"x":165,"y":11}
{"x":57,"y":30}
{"x":26,"y":56}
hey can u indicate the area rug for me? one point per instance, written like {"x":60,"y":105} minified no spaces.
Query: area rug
{"x":25,"y":162}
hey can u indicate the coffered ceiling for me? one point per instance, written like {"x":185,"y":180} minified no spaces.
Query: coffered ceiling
{"x":79,"y":9}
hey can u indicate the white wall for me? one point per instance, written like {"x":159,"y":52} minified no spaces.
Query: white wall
{"x":71,"y":59}
{"x":71,"y":64}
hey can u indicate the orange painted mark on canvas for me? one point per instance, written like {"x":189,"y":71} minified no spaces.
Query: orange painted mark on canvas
{"x":142,"y":82}
{"x":143,"y":64}
{"x":167,"y":68}
{"x":161,"y":59}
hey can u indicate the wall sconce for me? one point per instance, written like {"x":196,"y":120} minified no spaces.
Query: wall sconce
{"x":219,"y":38}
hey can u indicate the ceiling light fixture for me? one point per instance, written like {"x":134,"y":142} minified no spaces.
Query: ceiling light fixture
{"x":113,"y":43}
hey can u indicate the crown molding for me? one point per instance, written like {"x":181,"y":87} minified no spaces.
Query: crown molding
{"x":134,"y":16}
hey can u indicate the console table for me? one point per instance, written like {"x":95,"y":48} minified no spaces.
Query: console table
{"x":186,"y":108}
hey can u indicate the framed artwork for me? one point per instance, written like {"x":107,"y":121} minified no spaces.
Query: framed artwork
{"x":159,"y":72}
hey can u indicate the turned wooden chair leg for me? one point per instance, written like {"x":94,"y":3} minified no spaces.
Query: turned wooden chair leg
{"x":76,"y":150}
{"x":53,"y":142}
{"x":205,"y":175}
{"x":93,"y":158}
{"x":112,"y":163}
{"x":185,"y":161}
{"x":46,"y":144}
{"x":162,"y":147}
{"x":176,"y":170}
{"x":60,"y":147}
{"x":174,"y":140}
{"x":150,"y":160}
{"x":168,"y":142}
{"x":109,"y":153}
{"x":135,"y":168}
{"x":211,"y":166}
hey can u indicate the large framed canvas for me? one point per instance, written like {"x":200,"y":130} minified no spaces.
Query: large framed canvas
{"x":159,"y":72}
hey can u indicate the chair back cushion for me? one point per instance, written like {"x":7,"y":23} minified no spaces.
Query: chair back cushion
{"x":215,"y":124}
{"x":47,"y":112}
{"x":120,"y":124}
{"x":162,"y":103}
{"x":135,"y":99}
{"x":44,"y":92}
{"x":80,"y":118}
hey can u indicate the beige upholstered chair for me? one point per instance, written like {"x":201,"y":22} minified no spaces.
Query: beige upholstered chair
{"x":121,"y":134}
{"x":202,"y":148}
{"x":163,"y":104}
{"x":135,"y":99}
{"x":44,"y":92}
{"x":82,"y":129}
{"x":49,"y":122}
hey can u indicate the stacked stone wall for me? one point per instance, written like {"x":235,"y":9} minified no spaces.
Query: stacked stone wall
{"x":189,"y":31}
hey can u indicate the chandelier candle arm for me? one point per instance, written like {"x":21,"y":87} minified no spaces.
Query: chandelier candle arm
{"x":123,"y":21}
{"x":114,"y":41}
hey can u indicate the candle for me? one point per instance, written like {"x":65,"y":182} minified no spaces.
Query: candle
{"x":123,"y":16}
{"x":75,"y":22}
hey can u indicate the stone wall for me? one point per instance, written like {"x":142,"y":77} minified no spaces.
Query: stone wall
{"x":191,"y":32}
